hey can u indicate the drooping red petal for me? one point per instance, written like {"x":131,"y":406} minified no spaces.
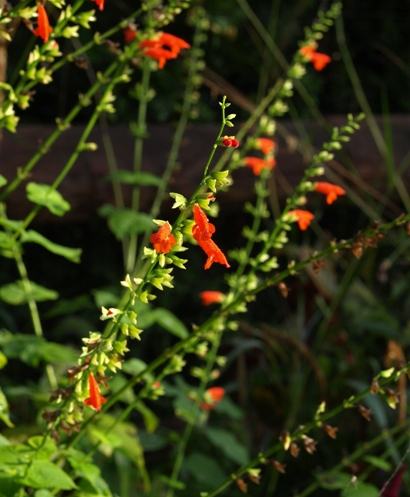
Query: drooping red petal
{"x":162,"y":240}
{"x":43,"y":29}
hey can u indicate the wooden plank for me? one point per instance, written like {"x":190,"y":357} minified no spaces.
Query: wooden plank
{"x":86,"y":189}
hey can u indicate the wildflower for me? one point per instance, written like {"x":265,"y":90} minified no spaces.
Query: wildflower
{"x":229,"y":141}
{"x":43,"y":29}
{"x":155,"y":48}
{"x":95,"y":399}
{"x":266,"y":145}
{"x":212,"y":397}
{"x":129,"y":35}
{"x":162,"y":240}
{"x":209,"y":297}
{"x":319,"y":60}
{"x":331,"y":191}
{"x":160,"y":54}
{"x":202,"y":229}
{"x":303,"y":218}
{"x":100,"y":4}
{"x":202,"y":232}
{"x":213,"y":252}
{"x":258,"y":164}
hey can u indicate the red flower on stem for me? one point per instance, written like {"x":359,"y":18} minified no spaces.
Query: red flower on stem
{"x":155,"y":48}
{"x":43,"y":29}
{"x":266,"y":145}
{"x":202,"y":232}
{"x":162,"y":240}
{"x":303,"y":218}
{"x":319,"y":60}
{"x":209,"y":297}
{"x":129,"y":35}
{"x":95,"y":400}
{"x":330,"y":190}
{"x":100,"y":4}
{"x":257,"y":164}
{"x":212,"y":397}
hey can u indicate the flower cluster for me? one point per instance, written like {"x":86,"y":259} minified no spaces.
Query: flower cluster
{"x":229,"y":141}
{"x":266,"y":146}
{"x":202,"y":232}
{"x":319,"y":60}
{"x":163,"y":48}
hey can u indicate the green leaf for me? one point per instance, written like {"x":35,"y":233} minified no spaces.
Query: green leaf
{"x":150,"y":419}
{"x":125,"y":222}
{"x":32,"y":349}
{"x":204,"y":469}
{"x":178,"y":485}
{"x":170,"y":322}
{"x":229,"y":445}
{"x":3,"y":180}
{"x":65,"y":306}
{"x":131,"y":178}
{"x":16,"y":294}
{"x":4,"y":410}
{"x":43,"y":493}
{"x":44,"y":474}
{"x":360,"y":489}
{"x":333,"y":480}
{"x":72,"y":254}
{"x":378,"y":462}
{"x":51,"y":199}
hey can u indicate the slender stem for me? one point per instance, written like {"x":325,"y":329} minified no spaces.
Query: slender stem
{"x":139,"y":142}
{"x":194,"y":414}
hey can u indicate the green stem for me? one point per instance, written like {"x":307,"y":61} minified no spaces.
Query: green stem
{"x":195,"y":410}
{"x":139,"y":143}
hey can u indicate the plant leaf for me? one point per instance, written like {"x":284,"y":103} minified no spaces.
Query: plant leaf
{"x":229,"y":445}
{"x":125,"y":222}
{"x":16,"y":294}
{"x":131,"y":178}
{"x":72,"y":254}
{"x":170,"y":322}
{"x":51,"y":199}
{"x":44,"y":474}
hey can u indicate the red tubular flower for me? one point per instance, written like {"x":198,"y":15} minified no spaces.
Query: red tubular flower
{"x":212,"y":397}
{"x":331,"y":191}
{"x":155,"y":48}
{"x":100,"y":4}
{"x":174,"y":43}
{"x":129,"y":35}
{"x":266,"y":145}
{"x":319,"y":60}
{"x":303,"y":218}
{"x":258,"y":164}
{"x":160,"y":54}
{"x":202,"y":232}
{"x":162,"y":240}
{"x":209,"y":297}
{"x":95,"y":399}
{"x":43,"y":29}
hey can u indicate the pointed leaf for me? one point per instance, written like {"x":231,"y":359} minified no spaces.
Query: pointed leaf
{"x":229,"y":445}
{"x":16,"y":293}
{"x":125,"y":222}
{"x":44,"y":474}
{"x":170,"y":322}
{"x":131,"y":178}
{"x":72,"y":254}
{"x":51,"y":199}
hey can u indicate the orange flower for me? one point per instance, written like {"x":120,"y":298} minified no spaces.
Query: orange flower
{"x":319,"y":60}
{"x":43,"y":29}
{"x":303,"y":218}
{"x":162,"y":240}
{"x":202,"y":229}
{"x":202,"y":232}
{"x":100,"y":4}
{"x":331,"y":191}
{"x":95,"y":399}
{"x":258,"y":164}
{"x":155,"y":48}
{"x":212,"y":397}
{"x":266,"y":145}
{"x":209,"y":297}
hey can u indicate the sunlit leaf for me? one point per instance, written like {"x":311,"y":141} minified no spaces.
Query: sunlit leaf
{"x":51,"y":199}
